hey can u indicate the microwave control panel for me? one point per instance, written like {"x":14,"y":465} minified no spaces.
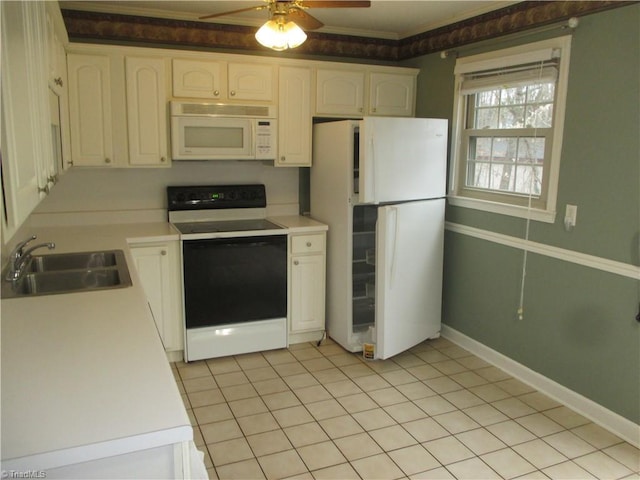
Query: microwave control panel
{"x":266,"y":139}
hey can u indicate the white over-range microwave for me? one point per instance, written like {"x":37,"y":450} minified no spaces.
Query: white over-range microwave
{"x":212,"y":131}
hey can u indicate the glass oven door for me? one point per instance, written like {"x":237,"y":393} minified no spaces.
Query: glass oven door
{"x":234,"y":280}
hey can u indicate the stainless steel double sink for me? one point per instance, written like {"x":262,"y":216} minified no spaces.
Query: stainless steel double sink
{"x":69,"y":273}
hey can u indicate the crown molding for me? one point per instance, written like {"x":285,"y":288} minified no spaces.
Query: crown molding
{"x":116,"y":28}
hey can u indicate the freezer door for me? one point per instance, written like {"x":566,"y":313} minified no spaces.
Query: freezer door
{"x":409,"y":249}
{"x":402,"y":159}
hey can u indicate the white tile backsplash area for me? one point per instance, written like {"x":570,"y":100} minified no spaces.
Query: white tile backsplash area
{"x":113,"y":189}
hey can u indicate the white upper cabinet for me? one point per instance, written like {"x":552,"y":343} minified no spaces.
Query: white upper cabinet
{"x":30,"y":153}
{"x":222,"y":80}
{"x":363,"y":91}
{"x":198,"y":79}
{"x":90,"y":110}
{"x":250,"y":81}
{"x":147,"y":111}
{"x":118,"y":108}
{"x":340,"y":92}
{"x":119,"y":96}
{"x":391,"y":94}
{"x":295,"y":122}
{"x":20,"y":170}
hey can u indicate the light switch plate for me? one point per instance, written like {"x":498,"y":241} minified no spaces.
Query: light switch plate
{"x":570,"y":217}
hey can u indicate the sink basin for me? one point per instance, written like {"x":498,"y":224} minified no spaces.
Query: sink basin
{"x":70,"y":273}
{"x":72,"y":261}
{"x":68,"y":281}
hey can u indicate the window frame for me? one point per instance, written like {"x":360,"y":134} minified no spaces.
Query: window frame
{"x":507,"y":203}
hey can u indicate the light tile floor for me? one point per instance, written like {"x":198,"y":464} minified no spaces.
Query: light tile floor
{"x":433,"y":412}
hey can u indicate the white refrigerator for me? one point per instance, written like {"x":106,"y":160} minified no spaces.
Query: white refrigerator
{"x":379,"y":183}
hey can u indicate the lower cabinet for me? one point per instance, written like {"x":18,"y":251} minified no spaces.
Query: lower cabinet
{"x":158,"y":267}
{"x":307,"y":263}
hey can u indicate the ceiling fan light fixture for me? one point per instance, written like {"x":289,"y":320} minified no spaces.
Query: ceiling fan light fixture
{"x":278,"y":34}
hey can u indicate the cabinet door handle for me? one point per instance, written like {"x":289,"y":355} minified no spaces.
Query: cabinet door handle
{"x":216,"y":92}
{"x":162,"y":159}
{"x":233,"y":93}
{"x":163,"y":252}
{"x":296,"y":262}
{"x":309,"y":244}
{"x":58,"y":81}
{"x":107,"y":160}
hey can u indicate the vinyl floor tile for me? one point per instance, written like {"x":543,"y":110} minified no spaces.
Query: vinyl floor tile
{"x":434,"y":412}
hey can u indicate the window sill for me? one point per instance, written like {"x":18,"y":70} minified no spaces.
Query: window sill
{"x":536,"y":214}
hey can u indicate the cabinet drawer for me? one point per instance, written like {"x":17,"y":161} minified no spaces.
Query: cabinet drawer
{"x":307,"y":243}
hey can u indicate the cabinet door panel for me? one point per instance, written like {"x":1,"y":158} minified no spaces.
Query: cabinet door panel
{"x":391,"y":94}
{"x":250,"y":81}
{"x":294,"y":109}
{"x":90,"y":110}
{"x":340,"y":92}
{"x":158,"y":267}
{"x":146,"y":111}
{"x":25,"y":134}
{"x":198,"y":79}
{"x":307,"y":293}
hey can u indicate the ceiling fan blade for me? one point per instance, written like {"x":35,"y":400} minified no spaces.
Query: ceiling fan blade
{"x":231,"y":12}
{"x":304,"y":20}
{"x":335,"y":3}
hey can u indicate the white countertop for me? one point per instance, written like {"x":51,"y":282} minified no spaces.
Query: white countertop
{"x":84,"y":375}
{"x":298,"y":223}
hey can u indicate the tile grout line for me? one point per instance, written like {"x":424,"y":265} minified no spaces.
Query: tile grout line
{"x":379,"y":373}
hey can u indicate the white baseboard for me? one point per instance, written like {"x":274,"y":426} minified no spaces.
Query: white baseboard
{"x":616,"y":424}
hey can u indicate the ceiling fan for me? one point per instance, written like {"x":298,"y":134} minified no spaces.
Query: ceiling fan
{"x":288,"y":18}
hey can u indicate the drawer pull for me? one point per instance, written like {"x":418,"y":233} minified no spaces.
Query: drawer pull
{"x":309,"y":244}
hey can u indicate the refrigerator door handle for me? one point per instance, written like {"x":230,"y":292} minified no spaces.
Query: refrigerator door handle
{"x":393,"y":212}
{"x":373,"y":169}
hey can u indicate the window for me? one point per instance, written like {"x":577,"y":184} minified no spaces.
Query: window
{"x":507,"y":138}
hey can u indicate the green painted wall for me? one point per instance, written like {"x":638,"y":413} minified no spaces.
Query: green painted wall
{"x":579,"y":327}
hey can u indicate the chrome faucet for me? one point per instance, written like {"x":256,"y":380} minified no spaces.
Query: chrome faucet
{"x":19,"y":257}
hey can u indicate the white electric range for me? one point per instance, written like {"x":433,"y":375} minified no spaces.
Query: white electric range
{"x":234,"y":270}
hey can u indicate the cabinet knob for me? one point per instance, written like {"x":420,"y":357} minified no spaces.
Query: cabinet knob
{"x":53,"y":179}
{"x":163,"y":252}
{"x":283,"y":158}
{"x":360,"y":109}
{"x":233,"y":93}
{"x":216,"y":92}
{"x":58,"y":81}
{"x":44,"y":189}
{"x":296,"y":262}
{"x":107,"y":160}
{"x":308,"y":244}
{"x":163,"y":159}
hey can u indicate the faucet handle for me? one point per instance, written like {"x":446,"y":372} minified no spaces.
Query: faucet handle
{"x":18,"y":249}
